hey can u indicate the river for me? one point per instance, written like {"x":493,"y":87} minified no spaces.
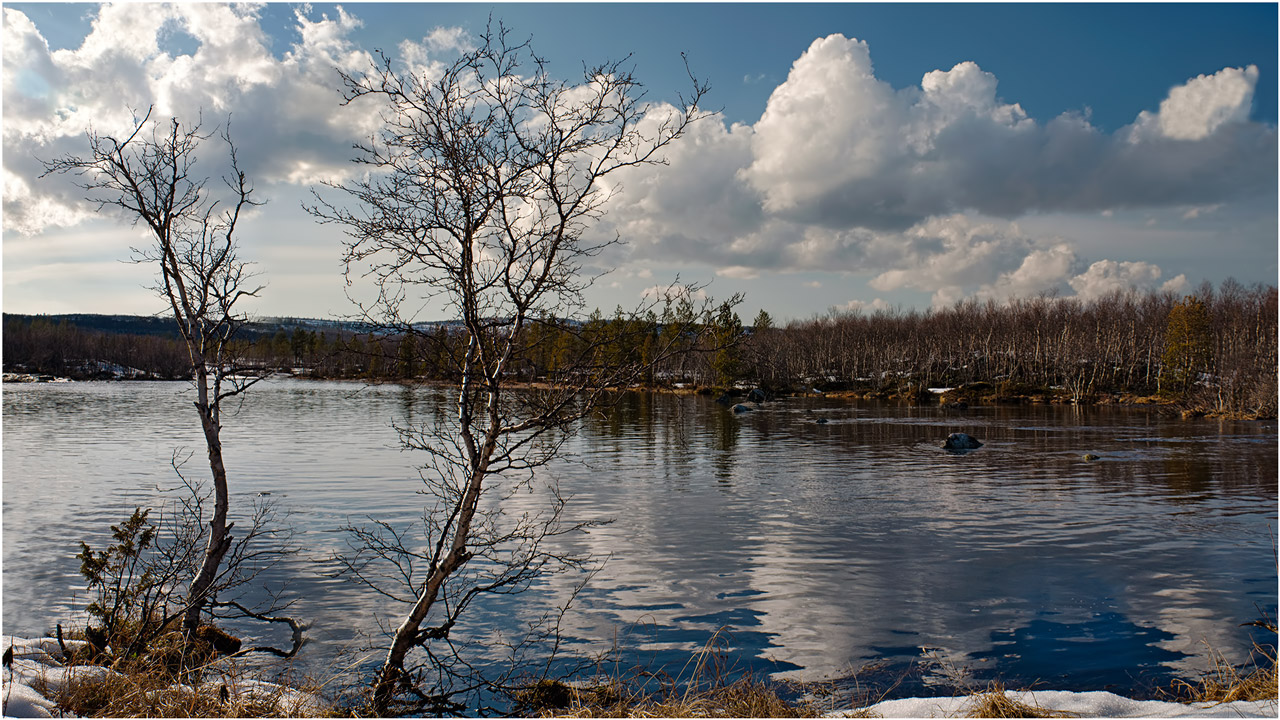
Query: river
{"x":818,"y":548}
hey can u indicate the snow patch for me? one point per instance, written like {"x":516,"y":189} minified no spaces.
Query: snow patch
{"x":1080,"y":704}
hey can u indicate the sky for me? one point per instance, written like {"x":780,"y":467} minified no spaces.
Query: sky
{"x":864,"y":155}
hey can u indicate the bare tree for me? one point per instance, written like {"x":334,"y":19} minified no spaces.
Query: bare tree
{"x":149,"y":177}
{"x":479,"y":190}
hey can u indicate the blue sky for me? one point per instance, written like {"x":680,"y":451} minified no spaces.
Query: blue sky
{"x":867,"y":155}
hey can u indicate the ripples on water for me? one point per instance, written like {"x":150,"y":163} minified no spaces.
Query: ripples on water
{"x":819,"y":547}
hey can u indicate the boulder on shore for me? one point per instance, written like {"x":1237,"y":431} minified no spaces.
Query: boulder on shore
{"x":961,"y":441}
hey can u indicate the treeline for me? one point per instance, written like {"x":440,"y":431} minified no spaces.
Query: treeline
{"x":553,"y":349}
{"x":61,"y":347}
{"x":65,"y":346}
{"x":1214,"y":350}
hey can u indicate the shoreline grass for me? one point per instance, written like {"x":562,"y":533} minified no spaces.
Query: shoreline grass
{"x":1255,"y":679}
{"x":98,"y":686}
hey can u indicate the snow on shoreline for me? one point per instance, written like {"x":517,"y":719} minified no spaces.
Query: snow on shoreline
{"x":35,"y":660}
{"x":1078,"y":704}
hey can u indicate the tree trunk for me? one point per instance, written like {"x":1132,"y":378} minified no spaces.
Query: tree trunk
{"x":407,"y":634}
{"x":219,"y":530}
{"x":406,"y":637}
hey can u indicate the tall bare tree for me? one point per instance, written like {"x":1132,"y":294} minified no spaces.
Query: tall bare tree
{"x":479,"y":190}
{"x":149,"y":176}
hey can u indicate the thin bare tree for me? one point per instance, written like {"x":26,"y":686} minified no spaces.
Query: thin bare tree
{"x":478,"y":193}
{"x":149,"y":177}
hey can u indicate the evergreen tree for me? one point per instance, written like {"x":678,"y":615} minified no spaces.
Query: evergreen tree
{"x":1188,"y":342}
{"x":760,"y":351}
{"x":407,"y":357}
{"x":726,"y":332}
{"x":763,"y":322}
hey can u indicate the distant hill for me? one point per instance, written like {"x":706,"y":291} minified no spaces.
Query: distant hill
{"x":115,"y":324}
{"x":164,"y":326}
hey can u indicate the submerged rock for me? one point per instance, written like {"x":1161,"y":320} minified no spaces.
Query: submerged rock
{"x":740,"y":408}
{"x":961,"y":441}
{"x":822,"y":421}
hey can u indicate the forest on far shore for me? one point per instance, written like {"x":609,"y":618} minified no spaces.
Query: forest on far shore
{"x":1214,"y":351}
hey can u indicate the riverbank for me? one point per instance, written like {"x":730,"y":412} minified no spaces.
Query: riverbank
{"x":34,"y":679}
{"x":950,"y":398}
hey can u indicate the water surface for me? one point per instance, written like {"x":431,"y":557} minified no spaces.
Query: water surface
{"x":816,"y":548}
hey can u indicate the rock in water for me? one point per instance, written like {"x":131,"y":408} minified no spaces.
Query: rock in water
{"x":961,"y":441}
{"x":757,"y":396}
{"x":740,"y":408}
{"x":1090,"y":457}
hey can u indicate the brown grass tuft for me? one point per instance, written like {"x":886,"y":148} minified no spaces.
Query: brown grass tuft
{"x":1224,"y":683}
{"x":996,"y":703}
{"x":136,"y":691}
{"x":709,"y":691}
{"x":743,"y":698}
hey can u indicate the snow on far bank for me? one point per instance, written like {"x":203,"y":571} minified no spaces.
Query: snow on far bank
{"x":35,"y":663}
{"x":1079,"y":704}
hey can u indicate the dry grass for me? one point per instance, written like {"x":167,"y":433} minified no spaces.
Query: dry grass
{"x":145,"y":695}
{"x":141,"y":694}
{"x":151,"y":687}
{"x":710,"y":690}
{"x":169,"y":677}
{"x":1255,"y":680}
{"x":996,"y":703}
{"x":742,"y":698}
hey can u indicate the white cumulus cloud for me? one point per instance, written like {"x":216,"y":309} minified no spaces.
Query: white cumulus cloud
{"x":909,"y":186}
{"x":956,"y":256}
{"x":1107,"y":276}
{"x":856,"y":306}
{"x":839,"y":147}
{"x":1196,"y":109}
{"x":917,"y":187}
{"x":449,"y":40}
{"x":285,"y":114}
